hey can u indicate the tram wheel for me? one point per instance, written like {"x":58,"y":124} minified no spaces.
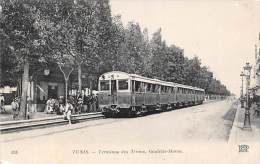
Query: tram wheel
{"x":132,"y":112}
{"x":169,"y":107}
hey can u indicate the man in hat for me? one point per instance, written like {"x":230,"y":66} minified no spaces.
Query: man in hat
{"x":79,"y":105}
{"x":15,"y":108}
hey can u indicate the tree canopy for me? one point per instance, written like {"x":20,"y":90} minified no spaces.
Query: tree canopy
{"x":83,"y":34}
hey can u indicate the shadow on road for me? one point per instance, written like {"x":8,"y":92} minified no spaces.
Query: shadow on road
{"x":231,"y":113}
{"x":229,"y":117}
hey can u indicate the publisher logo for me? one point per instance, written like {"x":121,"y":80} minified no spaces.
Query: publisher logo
{"x":243,"y":148}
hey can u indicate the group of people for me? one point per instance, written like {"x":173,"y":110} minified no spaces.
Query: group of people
{"x":57,"y":106}
{"x":52,"y":106}
{"x":74,"y":105}
{"x":254,"y":104}
{"x":15,"y":106}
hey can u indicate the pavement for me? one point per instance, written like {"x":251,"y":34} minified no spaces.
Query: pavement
{"x":240,"y":135}
{"x":245,"y":144}
{"x":8,"y":116}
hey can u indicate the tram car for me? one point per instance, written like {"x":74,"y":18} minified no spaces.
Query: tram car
{"x":123,"y":94}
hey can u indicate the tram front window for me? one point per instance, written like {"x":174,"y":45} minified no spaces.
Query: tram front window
{"x":104,"y":85}
{"x":123,"y":84}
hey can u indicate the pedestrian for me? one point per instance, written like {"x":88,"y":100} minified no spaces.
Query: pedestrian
{"x":49,"y":106}
{"x":79,"y":105}
{"x":61,"y":108}
{"x":15,"y":108}
{"x":251,"y":100}
{"x":86,"y":102}
{"x":56,"y":106}
{"x":257,"y":106}
{"x":91,"y":102}
{"x":68,"y":111}
{"x":2,"y":103}
{"x":72,"y":100}
{"x":94,"y":102}
{"x":29,"y":108}
{"x":52,"y":105}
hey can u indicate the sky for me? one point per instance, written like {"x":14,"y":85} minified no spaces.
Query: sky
{"x":221,"y":33}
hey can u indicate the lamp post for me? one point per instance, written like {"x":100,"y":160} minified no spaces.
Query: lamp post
{"x":247,"y":124}
{"x":242,"y":88}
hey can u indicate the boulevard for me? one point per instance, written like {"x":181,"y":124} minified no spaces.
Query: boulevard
{"x":167,"y":136}
{"x":208,"y":122}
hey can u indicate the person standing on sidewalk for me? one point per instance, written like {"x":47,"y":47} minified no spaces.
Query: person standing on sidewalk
{"x":29,"y":108}
{"x":256,"y":105}
{"x":15,"y":108}
{"x":2,"y":103}
{"x":61,"y":107}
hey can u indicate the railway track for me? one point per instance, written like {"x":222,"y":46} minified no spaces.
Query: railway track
{"x":15,"y":126}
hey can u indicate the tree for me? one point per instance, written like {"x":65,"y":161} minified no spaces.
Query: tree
{"x":193,"y":68}
{"x":146,"y":55}
{"x":134,"y":48}
{"x":175,"y":65}
{"x":11,"y":69}
{"x":117,"y":43}
{"x":206,"y":77}
{"x":58,"y":35}
{"x":21,"y":37}
{"x":84,"y":20}
{"x":159,"y":55}
{"x":104,"y":36}
{"x":1,"y":54}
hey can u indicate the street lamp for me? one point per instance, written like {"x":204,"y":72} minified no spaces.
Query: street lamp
{"x":247,"y":124}
{"x":242,"y":88}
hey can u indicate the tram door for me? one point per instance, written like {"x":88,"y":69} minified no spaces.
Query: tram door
{"x":114,"y":91}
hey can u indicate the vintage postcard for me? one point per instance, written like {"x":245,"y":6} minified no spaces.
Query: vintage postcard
{"x":130,"y":81}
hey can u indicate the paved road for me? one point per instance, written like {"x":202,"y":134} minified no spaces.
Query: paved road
{"x":208,"y":123}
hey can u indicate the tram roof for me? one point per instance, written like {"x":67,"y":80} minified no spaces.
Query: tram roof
{"x":123,"y":75}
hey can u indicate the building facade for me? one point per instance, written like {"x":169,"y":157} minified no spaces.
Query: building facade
{"x":257,"y":68}
{"x":47,"y":83}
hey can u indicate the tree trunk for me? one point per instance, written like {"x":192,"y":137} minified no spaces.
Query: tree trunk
{"x":90,"y":85}
{"x":66,"y":78}
{"x":25,"y":81}
{"x":79,"y":77}
{"x":66,"y":90}
{"x":1,"y":77}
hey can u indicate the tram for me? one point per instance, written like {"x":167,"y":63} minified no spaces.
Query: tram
{"x":123,"y":94}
